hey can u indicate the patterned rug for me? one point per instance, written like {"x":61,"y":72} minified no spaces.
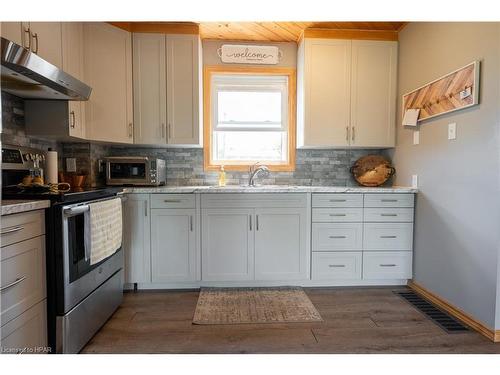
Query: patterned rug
{"x":254,"y":305}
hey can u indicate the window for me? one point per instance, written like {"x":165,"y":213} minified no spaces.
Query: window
{"x":249,"y":118}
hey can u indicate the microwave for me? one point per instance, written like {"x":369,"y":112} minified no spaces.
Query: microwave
{"x":139,"y":170}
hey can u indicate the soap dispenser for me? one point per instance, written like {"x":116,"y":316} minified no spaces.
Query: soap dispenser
{"x":222,"y":176}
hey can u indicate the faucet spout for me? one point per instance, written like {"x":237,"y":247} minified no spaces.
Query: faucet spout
{"x":254,"y":171}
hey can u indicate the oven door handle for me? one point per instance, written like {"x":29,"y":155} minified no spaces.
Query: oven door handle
{"x":73,"y":211}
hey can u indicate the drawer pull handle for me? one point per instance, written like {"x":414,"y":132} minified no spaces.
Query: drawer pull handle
{"x":191,"y":222}
{"x":388,"y":236}
{"x":8,"y":286}
{"x":387,"y":265}
{"x":338,"y":200}
{"x":338,"y":214}
{"x":388,"y":214}
{"x":172,"y":201}
{"x":12,"y":230}
{"x":336,"y":265}
{"x":337,"y":236}
{"x":388,"y":200}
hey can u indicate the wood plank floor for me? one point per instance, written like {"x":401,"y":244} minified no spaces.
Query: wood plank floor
{"x":356,"y":320}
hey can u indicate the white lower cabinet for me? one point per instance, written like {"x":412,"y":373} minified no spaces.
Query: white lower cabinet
{"x":337,"y":265}
{"x":136,"y":238}
{"x":281,"y":251}
{"x":173,"y":245}
{"x":387,"y":265}
{"x":227,"y":244}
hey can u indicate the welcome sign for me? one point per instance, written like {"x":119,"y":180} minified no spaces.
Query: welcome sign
{"x":247,"y":54}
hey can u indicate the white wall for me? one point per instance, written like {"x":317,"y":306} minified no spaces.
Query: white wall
{"x":457,"y":227}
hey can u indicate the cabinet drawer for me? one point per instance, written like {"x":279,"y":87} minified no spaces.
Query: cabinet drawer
{"x":403,"y":215}
{"x":253,"y":200}
{"x":337,"y":236}
{"x":22,"y":277}
{"x":28,"y":330}
{"x":333,"y":215}
{"x":173,"y":201}
{"x":337,"y":200}
{"x":388,"y":236}
{"x":389,"y":200}
{"x":20,"y":227}
{"x":336,"y":266}
{"x":387,"y":265}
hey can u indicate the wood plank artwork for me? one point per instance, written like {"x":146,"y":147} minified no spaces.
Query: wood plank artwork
{"x":454,"y":91}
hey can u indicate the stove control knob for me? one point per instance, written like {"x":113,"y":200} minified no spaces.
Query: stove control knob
{"x":27,"y":157}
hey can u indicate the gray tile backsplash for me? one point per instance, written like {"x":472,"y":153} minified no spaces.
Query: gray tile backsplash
{"x":184,"y":165}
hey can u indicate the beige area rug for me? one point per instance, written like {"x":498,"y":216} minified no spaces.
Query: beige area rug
{"x":254,"y":305}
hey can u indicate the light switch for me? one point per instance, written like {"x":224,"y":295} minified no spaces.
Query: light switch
{"x":70,"y":164}
{"x":414,"y":181}
{"x":416,"y":137}
{"x":452,"y":130}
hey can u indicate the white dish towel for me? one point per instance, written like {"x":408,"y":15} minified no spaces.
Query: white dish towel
{"x":103,"y":229}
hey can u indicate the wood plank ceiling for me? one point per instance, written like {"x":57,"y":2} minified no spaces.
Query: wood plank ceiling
{"x":270,"y":31}
{"x":285,"y":31}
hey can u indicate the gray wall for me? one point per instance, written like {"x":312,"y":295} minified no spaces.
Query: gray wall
{"x":457,"y":213}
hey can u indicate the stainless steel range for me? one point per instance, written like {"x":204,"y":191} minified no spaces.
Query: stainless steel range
{"x":81,"y":296}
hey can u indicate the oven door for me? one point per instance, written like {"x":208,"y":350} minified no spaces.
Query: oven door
{"x":80,"y":277}
{"x":128,"y":171}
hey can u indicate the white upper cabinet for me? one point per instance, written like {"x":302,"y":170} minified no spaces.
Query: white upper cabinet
{"x":167,"y":76}
{"x":327,"y":72}
{"x":373,"y":93}
{"x":150,"y":89}
{"x":108,"y":70}
{"x":12,"y":31}
{"x":46,"y":41}
{"x":72,"y":63}
{"x":183,"y":89}
{"x":346,"y":93}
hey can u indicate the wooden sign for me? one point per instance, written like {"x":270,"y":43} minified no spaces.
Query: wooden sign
{"x":248,"y":54}
{"x":454,"y":91}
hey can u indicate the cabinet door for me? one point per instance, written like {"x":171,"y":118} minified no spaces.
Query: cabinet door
{"x":173,"y":245}
{"x":183,"y":89}
{"x":150,"y":86}
{"x":227,"y":244}
{"x":327,"y":92}
{"x":108,"y":70}
{"x":12,"y":31}
{"x":136,"y":238}
{"x":46,"y":41}
{"x":373,"y":93}
{"x":281,"y":251}
{"x":72,"y":63}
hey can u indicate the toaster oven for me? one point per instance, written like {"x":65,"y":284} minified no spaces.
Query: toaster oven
{"x":138,"y":170}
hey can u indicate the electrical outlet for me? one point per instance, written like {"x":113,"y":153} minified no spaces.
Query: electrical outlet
{"x":452,"y":131}
{"x":414,"y":181}
{"x":70,"y":164}
{"x":416,"y":137}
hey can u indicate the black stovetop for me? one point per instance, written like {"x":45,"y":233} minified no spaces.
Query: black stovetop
{"x":76,"y":195}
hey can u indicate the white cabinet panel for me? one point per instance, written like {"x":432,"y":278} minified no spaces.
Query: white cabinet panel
{"x":388,"y":236}
{"x":387,"y":265}
{"x":46,"y":41}
{"x":173,"y":245}
{"x":108,"y":70}
{"x":327,"y":88}
{"x":281,"y":244}
{"x":373,"y":93}
{"x":183,"y":89}
{"x":388,"y":215}
{"x":150,"y":88}
{"x":173,"y":201}
{"x":332,"y":215}
{"x":28,"y":330}
{"x":337,"y":266}
{"x":136,"y":238}
{"x":337,"y":236}
{"x":227,"y":244}
{"x":12,"y":31}
{"x":337,"y":200}
{"x":389,"y":200}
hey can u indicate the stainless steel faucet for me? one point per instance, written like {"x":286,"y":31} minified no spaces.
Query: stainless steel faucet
{"x":254,"y":170}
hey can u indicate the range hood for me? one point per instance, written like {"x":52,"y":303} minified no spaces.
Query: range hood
{"x":27,"y":75}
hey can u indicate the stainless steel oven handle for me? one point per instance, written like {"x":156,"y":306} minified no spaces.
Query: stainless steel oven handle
{"x":76,"y":210}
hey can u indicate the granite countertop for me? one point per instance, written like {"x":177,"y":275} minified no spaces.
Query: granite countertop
{"x":268,"y":189}
{"x":16,"y":206}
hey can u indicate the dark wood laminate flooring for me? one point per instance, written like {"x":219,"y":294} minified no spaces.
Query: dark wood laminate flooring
{"x":356,"y":320}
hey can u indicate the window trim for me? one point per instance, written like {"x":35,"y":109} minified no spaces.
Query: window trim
{"x":208,"y":72}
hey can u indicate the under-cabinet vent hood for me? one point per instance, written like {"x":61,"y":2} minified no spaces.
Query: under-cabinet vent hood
{"x":27,"y":75}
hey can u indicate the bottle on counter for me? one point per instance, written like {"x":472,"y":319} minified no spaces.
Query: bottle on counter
{"x":222,"y":176}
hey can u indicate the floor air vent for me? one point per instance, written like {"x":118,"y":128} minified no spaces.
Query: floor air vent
{"x":443,"y":320}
